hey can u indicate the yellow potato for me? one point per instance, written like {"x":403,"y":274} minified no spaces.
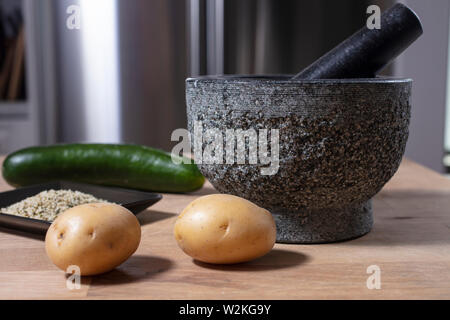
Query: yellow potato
{"x":96,"y":237}
{"x":224,"y":229}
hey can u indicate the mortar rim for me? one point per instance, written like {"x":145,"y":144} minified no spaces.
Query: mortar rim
{"x":286,"y":79}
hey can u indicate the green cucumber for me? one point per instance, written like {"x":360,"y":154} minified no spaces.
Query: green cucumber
{"x":121,"y":165}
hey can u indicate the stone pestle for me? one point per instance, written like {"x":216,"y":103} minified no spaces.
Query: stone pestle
{"x":368,"y":51}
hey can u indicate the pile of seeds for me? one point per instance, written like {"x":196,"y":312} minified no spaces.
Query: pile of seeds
{"x":48,"y":204}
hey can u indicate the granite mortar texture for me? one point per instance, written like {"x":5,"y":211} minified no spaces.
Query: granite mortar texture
{"x":340,"y":141}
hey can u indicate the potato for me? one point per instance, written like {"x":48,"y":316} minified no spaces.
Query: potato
{"x":224,"y":229}
{"x":96,"y":237}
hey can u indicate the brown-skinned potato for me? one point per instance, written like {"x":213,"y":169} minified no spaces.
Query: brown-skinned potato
{"x":224,"y":229}
{"x":96,"y":237}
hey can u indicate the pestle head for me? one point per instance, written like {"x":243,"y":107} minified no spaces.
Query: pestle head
{"x":366,"y":52}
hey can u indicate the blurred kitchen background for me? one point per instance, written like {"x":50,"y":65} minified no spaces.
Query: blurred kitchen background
{"x":120,"y":76}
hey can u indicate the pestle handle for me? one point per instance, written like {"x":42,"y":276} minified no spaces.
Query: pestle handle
{"x":366,"y":52}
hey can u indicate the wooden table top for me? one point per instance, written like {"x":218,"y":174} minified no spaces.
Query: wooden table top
{"x":410,"y":243}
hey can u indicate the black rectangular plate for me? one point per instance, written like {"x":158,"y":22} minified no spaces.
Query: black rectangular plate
{"x":133,"y":200}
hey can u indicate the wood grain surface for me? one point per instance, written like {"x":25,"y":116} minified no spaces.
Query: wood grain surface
{"x":410,"y":242}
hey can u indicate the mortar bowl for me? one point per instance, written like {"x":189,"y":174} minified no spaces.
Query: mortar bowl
{"x":338,"y":143}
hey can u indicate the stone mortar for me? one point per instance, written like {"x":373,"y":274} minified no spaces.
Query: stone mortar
{"x":340,"y":141}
